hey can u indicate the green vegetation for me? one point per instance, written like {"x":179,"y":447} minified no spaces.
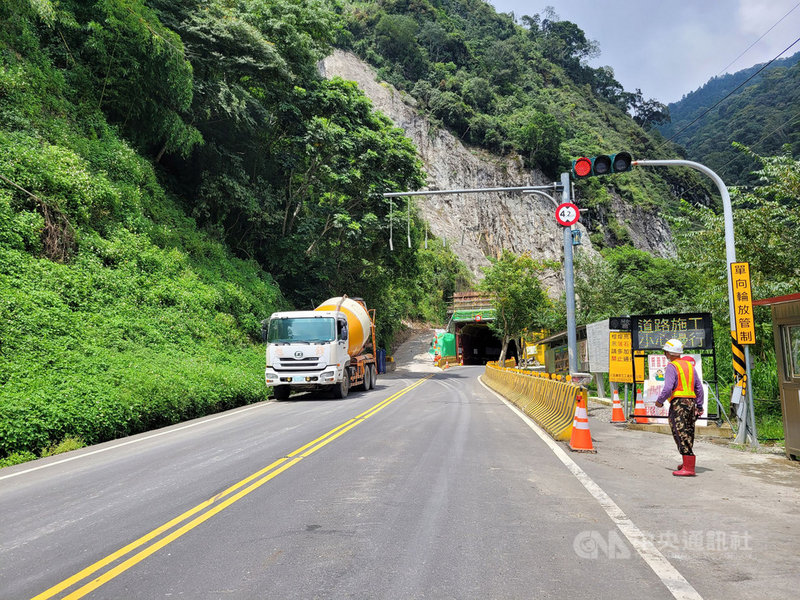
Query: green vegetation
{"x":762,"y":115}
{"x":522,"y":86}
{"x":173,"y":172}
{"x":500,"y":84}
{"x":170,"y":174}
{"x":627,"y":281}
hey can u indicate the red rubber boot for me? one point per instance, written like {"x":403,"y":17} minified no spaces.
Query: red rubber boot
{"x":687,"y":470}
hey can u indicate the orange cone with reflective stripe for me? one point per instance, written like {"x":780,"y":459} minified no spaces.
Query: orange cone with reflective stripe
{"x":639,"y":412}
{"x":617,"y":415}
{"x":581,"y":439}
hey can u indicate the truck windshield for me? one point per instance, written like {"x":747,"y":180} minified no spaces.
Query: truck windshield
{"x":301,"y":329}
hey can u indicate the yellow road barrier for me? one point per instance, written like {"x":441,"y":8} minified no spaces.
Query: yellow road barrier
{"x":548,"y":402}
{"x":447,"y":361}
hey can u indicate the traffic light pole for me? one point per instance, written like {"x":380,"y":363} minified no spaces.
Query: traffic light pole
{"x":569,"y":282}
{"x":747,"y":429}
{"x":569,"y":275}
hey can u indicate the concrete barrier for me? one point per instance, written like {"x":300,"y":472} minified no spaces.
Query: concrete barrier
{"x":549,"y":402}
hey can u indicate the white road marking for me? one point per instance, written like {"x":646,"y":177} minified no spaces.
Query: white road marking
{"x":668,"y":574}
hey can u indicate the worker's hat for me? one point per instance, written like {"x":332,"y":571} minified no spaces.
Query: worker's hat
{"x":673,"y":346}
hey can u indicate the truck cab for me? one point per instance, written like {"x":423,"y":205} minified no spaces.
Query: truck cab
{"x":306,"y":349}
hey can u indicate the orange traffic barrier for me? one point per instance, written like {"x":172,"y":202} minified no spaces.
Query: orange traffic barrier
{"x":639,"y":412}
{"x":617,"y":414}
{"x":581,"y":440}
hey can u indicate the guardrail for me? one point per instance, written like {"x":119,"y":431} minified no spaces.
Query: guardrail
{"x":549,"y":402}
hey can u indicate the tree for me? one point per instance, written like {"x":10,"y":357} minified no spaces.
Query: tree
{"x":565,"y":43}
{"x":519,"y":299}
{"x":604,"y":85}
{"x":627,"y":281}
{"x":396,"y":37}
{"x":134,"y":69}
{"x":766,"y":222}
{"x":648,"y":112}
{"x":538,"y":136}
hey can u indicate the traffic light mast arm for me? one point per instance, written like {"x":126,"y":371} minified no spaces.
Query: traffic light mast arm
{"x":730,"y":246}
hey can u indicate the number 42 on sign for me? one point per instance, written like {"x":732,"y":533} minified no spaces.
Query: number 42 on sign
{"x":567,"y":214}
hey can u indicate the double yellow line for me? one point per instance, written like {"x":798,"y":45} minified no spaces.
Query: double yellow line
{"x":205,"y":510}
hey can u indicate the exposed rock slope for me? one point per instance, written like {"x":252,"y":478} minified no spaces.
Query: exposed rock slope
{"x":477,"y":226}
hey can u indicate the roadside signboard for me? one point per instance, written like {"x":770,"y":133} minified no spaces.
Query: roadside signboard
{"x":597,"y":342}
{"x":620,"y":367}
{"x":657,"y":367}
{"x":743,"y":303}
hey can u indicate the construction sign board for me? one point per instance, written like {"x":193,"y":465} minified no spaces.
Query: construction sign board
{"x":651,"y":332}
{"x":620,"y":353}
{"x":743,"y":303}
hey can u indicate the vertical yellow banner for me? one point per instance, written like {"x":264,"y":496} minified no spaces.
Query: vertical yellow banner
{"x":743,"y":303}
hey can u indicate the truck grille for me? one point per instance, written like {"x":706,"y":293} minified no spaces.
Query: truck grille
{"x":309,"y":363}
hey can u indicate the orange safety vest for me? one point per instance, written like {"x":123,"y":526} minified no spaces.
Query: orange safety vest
{"x":685,"y":384}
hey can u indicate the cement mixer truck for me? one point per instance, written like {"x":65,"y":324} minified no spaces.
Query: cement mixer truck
{"x":321,"y":349}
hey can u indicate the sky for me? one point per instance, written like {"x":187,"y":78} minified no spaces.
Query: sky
{"x":668,"y":48}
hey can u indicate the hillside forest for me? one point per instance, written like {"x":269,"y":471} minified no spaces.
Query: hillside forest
{"x":173,"y":172}
{"x":756,"y":107}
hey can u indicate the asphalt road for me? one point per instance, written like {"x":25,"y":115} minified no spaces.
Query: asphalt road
{"x":428,"y":486}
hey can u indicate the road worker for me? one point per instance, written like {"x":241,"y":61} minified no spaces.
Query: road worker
{"x":684,"y":391}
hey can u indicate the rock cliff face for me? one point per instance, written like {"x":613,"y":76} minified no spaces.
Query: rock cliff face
{"x":481,"y":225}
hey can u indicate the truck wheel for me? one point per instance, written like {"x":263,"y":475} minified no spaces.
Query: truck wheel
{"x":367,"y":379}
{"x":281,"y":392}
{"x":340,"y":390}
{"x":373,"y":371}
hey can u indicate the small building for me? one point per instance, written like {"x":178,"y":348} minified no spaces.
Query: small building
{"x":786,"y":325}
{"x":557,"y":351}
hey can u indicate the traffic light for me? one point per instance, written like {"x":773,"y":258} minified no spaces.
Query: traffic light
{"x":601,"y":165}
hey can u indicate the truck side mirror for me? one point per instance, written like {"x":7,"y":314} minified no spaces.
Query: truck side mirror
{"x":264,"y":329}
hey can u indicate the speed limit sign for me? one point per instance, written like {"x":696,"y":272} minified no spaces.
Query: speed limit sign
{"x":567,"y":214}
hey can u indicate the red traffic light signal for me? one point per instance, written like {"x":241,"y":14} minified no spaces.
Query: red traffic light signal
{"x":582,"y":167}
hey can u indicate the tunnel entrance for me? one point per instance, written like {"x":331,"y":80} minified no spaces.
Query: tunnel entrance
{"x":477,"y":344}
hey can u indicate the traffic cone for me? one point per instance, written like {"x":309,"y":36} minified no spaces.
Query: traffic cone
{"x":639,"y":412}
{"x":617,"y":415}
{"x":581,"y":439}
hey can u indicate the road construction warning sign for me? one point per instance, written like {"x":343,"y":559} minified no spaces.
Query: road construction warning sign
{"x":620,"y":367}
{"x":743,"y":303}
